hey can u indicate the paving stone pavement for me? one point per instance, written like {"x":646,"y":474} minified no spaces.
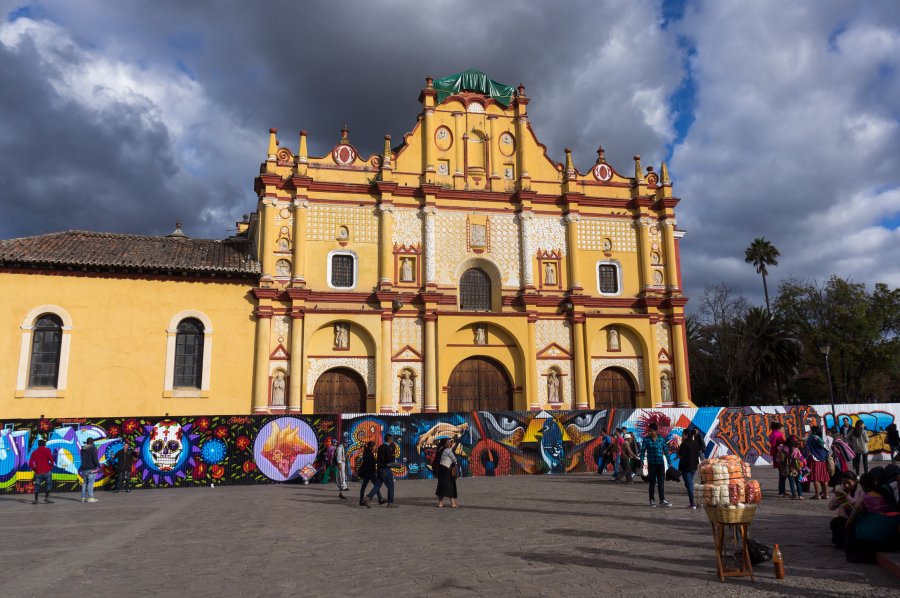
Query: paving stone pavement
{"x":574,"y":535}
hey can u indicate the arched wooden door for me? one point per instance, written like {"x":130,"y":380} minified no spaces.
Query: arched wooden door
{"x":614,"y":388}
{"x":479,"y":384}
{"x":340,"y":390}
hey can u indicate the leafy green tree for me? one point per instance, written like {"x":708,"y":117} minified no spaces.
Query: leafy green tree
{"x":862,"y":330}
{"x":762,"y":254}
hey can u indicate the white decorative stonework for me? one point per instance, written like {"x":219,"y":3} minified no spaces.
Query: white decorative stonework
{"x":549,"y":234}
{"x":323,"y":222}
{"x":407,"y":331}
{"x":526,"y":220}
{"x":398,"y":367}
{"x":566,"y":381}
{"x":451,"y":240}
{"x":430,"y":215}
{"x":364,"y":366}
{"x":547,"y":332}
{"x":662,"y":335}
{"x":280,"y":327}
{"x":635,"y":365}
{"x":592,"y":232}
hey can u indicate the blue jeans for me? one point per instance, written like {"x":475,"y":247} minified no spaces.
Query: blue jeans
{"x":45,"y":480}
{"x":688,"y":477}
{"x":366,"y":479}
{"x":87,"y":486}
{"x":385,"y":478}
{"x":796,"y":486}
{"x":656,"y":474}
{"x":617,"y":466}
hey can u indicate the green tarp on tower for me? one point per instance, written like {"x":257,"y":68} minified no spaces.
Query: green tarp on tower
{"x":473,"y":80}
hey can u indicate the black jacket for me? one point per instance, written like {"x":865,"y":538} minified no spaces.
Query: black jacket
{"x":688,"y":456}
{"x":124,"y":459}
{"x":385,"y":456}
{"x":89,"y":460}
{"x":367,"y":466}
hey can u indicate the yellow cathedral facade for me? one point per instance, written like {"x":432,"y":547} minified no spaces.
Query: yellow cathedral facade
{"x":460,"y":269}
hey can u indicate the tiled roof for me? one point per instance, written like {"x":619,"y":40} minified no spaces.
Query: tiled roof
{"x":131,"y":253}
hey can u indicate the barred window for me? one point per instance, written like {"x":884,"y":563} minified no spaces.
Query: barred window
{"x":46,"y":344}
{"x":475,"y":290}
{"x":189,"y":354}
{"x":608,"y":279}
{"x":342,"y":275}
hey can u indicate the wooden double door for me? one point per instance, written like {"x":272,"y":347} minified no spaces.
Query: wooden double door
{"x":613,"y":388}
{"x":479,"y":384}
{"x":340,"y":390}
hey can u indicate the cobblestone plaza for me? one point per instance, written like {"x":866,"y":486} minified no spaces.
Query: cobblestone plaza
{"x":572,"y":535}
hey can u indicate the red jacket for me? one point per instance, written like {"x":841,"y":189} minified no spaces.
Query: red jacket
{"x":41,"y":460}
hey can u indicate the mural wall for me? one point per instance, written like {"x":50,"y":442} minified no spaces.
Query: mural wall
{"x":221,"y":450}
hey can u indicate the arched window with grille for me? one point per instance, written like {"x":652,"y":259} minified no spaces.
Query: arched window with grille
{"x":46,"y":346}
{"x":189,"y":354}
{"x":475,"y":290}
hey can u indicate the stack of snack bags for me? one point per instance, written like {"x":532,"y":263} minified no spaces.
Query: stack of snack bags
{"x":725,"y":482}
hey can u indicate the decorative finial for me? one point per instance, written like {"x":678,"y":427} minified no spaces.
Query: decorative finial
{"x":521,"y":90}
{"x":345,"y":134}
{"x":664,"y":174}
{"x":570,"y":166}
{"x":177,"y":232}
{"x":601,"y":155}
{"x":638,"y":170}
{"x":273,"y":145}
{"x":429,"y":81}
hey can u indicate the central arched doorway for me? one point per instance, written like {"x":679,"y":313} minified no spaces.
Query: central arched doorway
{"x":479,"y":384}
{"x":340,"y":390}
{"x":613,"y":388}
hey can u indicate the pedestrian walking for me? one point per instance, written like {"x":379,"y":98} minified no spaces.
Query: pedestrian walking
{"x":628,"y":458}
{"x":41,"y":463}
{"x":818,"y":467}
{"x":124,"y":459}
{"x":846,"y":427}
{"x":776,"y":439}
{"x":615,"y":452}
{"x":367,"y":473}
{"x":340,"y":468}
{"x":602,"y":456}
{"x":859,"y":442}
{"x":384,"y":459}
{"x":790,"y":465}
{"x":892,"y":437}
{"x":688,"y":459}
{"x":90,"y":466}
{"x":445,"y":468}
{"x":328,"y":467}
{"x":654,"y":448}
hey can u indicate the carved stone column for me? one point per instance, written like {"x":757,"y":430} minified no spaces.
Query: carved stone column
{"x":668,"y":230}
{"x":296,"y":389}
{"x":301,"y":207}
{"x":526,"y":227}
{"x":261,"y":360}
{"x":431,"y":382}
{"x":385,"y":249}
{"x":267,"y":238}
{"x":572,"y":221}
{"x":430,"y":266}
{"x":644,"y":251}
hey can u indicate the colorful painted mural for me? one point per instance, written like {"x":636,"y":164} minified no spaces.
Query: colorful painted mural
{"x":220,"y":450}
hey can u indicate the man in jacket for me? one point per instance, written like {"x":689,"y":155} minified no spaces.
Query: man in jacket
{"x":340,"y":472}
{"x":124,"y":459}
{"x":90,"y":465}
{"x":858,"y":439}
{"x":41,"y":463}
{"x":328,"y":467}
{"x":384,"y":459}
{"x":654,"y":447}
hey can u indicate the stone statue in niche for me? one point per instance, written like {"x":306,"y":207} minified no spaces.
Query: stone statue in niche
{"x":406,"y":270}
{"x":278,"y":390}
{"x":607,"y":245}
{"x":342,"y":336}
{"x":282,"y":268}
{"x":553,"y":387}
{"x":406,"y":388}
{"x":480,"y":335}
{"x":550,"y":274}
{"x":343,"y":233}
{"x":666,"y":389}
{"x":657,"y":277}
{"x":283,"y":244}
{"x":654,"y":258}
{"x":478,"y":236}
{"x":613,"y":339}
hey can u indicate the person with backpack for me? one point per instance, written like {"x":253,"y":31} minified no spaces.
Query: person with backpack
{"x":858,"y":438}
{"x":688,"y":460}
{"x":90,"y":465}
{"x":790,"y":463}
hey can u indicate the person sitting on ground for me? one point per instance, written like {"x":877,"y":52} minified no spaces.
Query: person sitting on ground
{"x":843,"y":503}
{"x":872,"y":525}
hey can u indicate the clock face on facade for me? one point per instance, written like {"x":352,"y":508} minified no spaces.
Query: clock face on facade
{"x":343,"y":155}
{"x":602,"y":172}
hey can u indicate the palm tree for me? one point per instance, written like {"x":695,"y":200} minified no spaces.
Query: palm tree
{"x":769,"y":347}
{"x":762,"y":253}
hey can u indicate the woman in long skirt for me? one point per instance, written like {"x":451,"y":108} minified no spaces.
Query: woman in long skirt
{"x":445,"y":467}
{"x":818,"y":469}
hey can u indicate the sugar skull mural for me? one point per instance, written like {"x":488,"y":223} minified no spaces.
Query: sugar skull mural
{"x":168,"y":450}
